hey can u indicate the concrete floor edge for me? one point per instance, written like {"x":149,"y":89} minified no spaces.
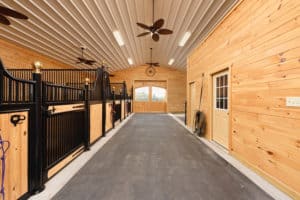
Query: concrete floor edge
{"x":250,"y":174}
{"x":55,"y":184}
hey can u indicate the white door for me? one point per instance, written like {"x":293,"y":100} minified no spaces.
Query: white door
{"x":221,"y":108}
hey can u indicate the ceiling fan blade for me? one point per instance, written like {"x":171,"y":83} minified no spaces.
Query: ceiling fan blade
{"x":81,"y":59}
{"x":155,"y":37}
{"x":91,"y":61}
{"x":142,"y":34}
{"x":156,"y":64}
{"x":12,"y":13}
{"x":78,"y":62}
{"x":164,"y":31}
{"x":88,"y":62}
{"x":158,"y":24}
{"x":144,"y":26}
{"x":4,"y":20}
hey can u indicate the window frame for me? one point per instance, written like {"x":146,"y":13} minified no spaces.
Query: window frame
{"x":148,"y":95}
{"x":221,"y":90}
{"x":165,"y":94}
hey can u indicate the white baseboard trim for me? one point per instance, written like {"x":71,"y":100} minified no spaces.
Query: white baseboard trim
{"x":55,"y":184}
{"x":250,"y":174}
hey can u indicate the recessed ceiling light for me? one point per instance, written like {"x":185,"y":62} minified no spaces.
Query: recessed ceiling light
{"x":184,"y":39}
{"x":119,"y":38}
{"x":130,"y":61}
{"x":171,"y":61}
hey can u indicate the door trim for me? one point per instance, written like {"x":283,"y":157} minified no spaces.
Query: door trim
{"x":211,"y":90}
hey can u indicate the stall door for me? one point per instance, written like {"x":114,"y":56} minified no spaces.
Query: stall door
{"x":221,"y":108}
{"x":16,"y":154}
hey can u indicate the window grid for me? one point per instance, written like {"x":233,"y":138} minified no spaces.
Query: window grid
{"x":222,"y":92}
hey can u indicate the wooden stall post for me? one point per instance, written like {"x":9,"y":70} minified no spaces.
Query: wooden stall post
{"x":87,"y":115}
{"x":37,"y":146}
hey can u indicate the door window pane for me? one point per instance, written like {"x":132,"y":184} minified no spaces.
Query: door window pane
{"x":158,"y":94}
{"x":142,"y":94}
{"x":222,"y":92}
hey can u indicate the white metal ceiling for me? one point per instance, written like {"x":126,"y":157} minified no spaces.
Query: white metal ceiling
{"x":58,"y":28}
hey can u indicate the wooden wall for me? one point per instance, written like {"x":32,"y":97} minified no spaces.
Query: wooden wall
{"x":95,"y":122}
{"x":16,"y":56}
{"x":260,"y":44}
{"x":16,"y":156}
{"x":109,"y":116}
{"x":176,"y":83}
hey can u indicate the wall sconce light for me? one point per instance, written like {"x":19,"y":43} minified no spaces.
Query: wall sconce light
{"x":87,"y":81}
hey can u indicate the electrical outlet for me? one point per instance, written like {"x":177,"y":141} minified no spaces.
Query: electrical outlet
{"x":293,"y":101}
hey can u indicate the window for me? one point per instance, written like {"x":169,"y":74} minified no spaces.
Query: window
{"x":222,"y":92}
{"x":158,"y":94}
{"x":142,"y":94}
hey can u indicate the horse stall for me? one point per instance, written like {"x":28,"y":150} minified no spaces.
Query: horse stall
{"x":120,"y":96}
{"x":47,"y":119}
{"x":20,"y":164}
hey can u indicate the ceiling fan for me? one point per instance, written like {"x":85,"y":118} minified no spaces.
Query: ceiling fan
{"x":152,"y":64}
{"x":84,"y":60}
{"x":10,"y":13}
{"x":150,"y":70}
{"x":155,"y":29}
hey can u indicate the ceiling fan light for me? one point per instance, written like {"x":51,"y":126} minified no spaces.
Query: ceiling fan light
{"x":118,"y":38}
{"x":171,"y":61}
{"x":184,"y":39}
{"x":130,"y":61}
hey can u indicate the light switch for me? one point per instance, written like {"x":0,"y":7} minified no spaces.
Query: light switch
{"x":293,"y":101}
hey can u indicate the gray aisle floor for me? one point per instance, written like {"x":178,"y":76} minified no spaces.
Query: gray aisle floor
{"x":152,"y":157}
{"x":179,"y":116}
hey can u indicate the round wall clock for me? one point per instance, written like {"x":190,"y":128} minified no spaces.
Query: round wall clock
{"x":150,"y":71}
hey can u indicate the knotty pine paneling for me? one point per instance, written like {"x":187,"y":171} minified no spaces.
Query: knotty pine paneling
{"x":176,"y":83}
{"x":16,"y":156}
{"x":259,"y":42}
{"x":16,"y":56}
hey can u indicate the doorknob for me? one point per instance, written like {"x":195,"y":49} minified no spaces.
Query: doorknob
{"x":17,"y":119}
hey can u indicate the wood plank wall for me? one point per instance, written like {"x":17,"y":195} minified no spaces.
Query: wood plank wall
{"x":95,"y":122}
{"x":16,"y":56}
{"x":176,"y":83}
{"x":260,"y":44}
{"x":16,"y":156}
